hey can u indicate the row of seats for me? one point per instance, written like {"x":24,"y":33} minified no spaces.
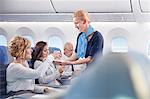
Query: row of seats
{"x":5,"y":59}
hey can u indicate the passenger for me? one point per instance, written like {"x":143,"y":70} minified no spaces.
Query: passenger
{"x":68,"y":52}
{"x":39,"y":55}
{"x":89,"y":41}
{"x":20,"y":78}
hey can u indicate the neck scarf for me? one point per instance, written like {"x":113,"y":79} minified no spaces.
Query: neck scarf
{"x":82,"y":42}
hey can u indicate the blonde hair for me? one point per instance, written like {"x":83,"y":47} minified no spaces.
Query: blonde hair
{"x":82,"y":15}
{"x":17,"y":46}
{"x":69,"y":46}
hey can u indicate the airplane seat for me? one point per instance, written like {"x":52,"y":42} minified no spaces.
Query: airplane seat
{"x":3,"y":82}
{"x":3,"y":55}
{"x":10,"y":58}
{"x":52,"y":49}
{"x":30,"y":62}
{"x":5,"y":59}
{"x":114,"y":76}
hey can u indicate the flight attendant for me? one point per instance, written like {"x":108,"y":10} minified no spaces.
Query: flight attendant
{"x":89,"y":41}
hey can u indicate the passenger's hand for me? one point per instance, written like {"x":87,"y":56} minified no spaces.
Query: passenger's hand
{"x":61,"y":69}
{"x":62,"y":66}
{"x":47,"y":90}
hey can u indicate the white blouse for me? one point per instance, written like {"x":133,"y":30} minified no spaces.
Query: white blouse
{"x":21,"y":77}
{"x":51,"y":73}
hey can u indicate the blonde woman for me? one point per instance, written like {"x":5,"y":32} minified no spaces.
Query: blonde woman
{"x":89,"y":41}
{"x":20,"y":78}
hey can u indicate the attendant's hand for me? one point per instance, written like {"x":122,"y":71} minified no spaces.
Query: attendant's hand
{"x":58,"y":62}
{"x":68,"y":63}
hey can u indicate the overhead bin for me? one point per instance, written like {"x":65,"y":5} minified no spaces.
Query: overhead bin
{"x":25,"y":6}
{"x":112,"y":6}
{"x":145,"y":5}
{"x":99,"y":10}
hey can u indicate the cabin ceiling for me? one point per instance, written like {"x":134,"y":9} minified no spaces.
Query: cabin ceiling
{"x":62,"y":10}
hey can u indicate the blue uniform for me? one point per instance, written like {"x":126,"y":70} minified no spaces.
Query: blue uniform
{"x":94,"y":45}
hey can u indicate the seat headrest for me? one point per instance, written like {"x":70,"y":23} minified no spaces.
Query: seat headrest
{"x":3,"y":55}
{"x":110,"y":77}
{"x":52,"y":49}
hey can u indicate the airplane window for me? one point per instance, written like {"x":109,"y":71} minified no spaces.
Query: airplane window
{"x":119,"y":44}
{"x":3,"y":40}
{"x":55,"y":41}
{"x":27,"y":33}
{"x":29,"y":38}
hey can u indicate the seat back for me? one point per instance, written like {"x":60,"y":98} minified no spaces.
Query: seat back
{"x":52,"y":49}
{"x":113,"y":76}
{"x":5,"y":59}
{"x":3,"y":82}
{"x":3,"y":55}
{"x":109,"y":78}
{"x":30,"y":62}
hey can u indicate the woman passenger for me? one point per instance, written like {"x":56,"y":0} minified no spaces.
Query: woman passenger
{"x":20,"y":78}
{"x":39,"y":55}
